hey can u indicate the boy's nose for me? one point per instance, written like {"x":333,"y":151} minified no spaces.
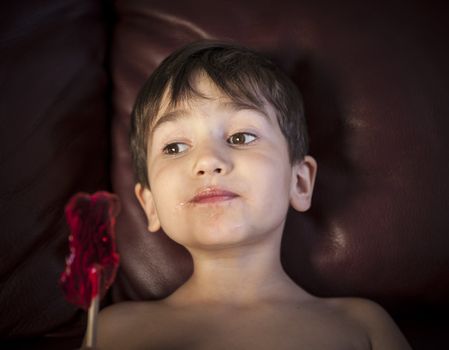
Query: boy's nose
{"x":212,"y":161}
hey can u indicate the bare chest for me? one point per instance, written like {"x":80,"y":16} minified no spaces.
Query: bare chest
{"x":256,"y":330}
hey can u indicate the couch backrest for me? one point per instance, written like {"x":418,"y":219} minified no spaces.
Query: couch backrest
{"x":54,"y":142}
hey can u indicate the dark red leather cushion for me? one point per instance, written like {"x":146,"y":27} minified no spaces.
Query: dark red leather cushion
{"x":54,"y":138}
{"x":374,"y":78}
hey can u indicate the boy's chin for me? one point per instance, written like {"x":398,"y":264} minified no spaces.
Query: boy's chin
{"x":220,"y":238}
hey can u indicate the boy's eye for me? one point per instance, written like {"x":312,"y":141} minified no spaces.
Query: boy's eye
{"x":241,"y":138}
{"x":175,"y":148}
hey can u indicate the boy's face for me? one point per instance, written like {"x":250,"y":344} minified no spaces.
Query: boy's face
{"x":220,"y":174}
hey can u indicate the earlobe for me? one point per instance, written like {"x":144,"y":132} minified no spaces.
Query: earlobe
{"x":303,"y":181}
{"x":145,"y":198}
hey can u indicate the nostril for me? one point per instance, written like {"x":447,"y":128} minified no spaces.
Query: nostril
{"x":203,"y":172}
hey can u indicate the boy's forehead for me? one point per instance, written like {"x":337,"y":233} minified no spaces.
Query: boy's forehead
{"x":206,"y":91}
{"x":204,"y":88}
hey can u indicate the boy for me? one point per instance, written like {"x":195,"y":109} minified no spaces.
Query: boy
{"x":219,"y":144}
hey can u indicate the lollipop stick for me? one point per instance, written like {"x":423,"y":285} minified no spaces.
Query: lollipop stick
{"x":92,"y":315}
{"x":91,"y":333}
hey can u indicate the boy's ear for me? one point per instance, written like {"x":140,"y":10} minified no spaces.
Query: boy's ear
{"x":303,"y":180}
{"x":145,"y":198}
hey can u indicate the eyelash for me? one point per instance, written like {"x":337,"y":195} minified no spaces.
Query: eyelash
{"x":173,"y":148}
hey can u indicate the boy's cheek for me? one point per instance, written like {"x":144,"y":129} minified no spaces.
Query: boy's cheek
{"x":155,"y":172}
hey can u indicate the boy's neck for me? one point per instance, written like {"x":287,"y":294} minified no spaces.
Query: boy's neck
{"x":241,"y":275}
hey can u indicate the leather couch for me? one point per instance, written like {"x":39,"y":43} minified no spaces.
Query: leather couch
{"x":374,"y":75}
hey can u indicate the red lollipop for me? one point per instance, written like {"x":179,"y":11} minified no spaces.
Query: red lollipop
{"x":93,"y":261}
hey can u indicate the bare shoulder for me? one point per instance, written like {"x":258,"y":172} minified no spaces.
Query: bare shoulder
{"x":126,"y":311}
{"x":120,"y":325}
{"x":378,"y":324}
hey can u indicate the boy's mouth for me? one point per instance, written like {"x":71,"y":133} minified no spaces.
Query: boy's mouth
{"x":212,"y":195}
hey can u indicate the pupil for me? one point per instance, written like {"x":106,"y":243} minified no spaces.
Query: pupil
{"x":238,"y":138}
{"x":173,"y":149}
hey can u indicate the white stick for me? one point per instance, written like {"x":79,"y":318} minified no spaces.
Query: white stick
{"x":91,"y":333}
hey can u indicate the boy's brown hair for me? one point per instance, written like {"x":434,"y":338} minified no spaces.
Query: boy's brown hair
{"x":245,"y":76}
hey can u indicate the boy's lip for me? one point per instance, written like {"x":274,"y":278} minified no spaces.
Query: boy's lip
{"x":212,"y":194}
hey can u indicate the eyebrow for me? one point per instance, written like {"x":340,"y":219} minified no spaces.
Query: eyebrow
{"x":170,"y":116}
{"x":177,"y":114}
